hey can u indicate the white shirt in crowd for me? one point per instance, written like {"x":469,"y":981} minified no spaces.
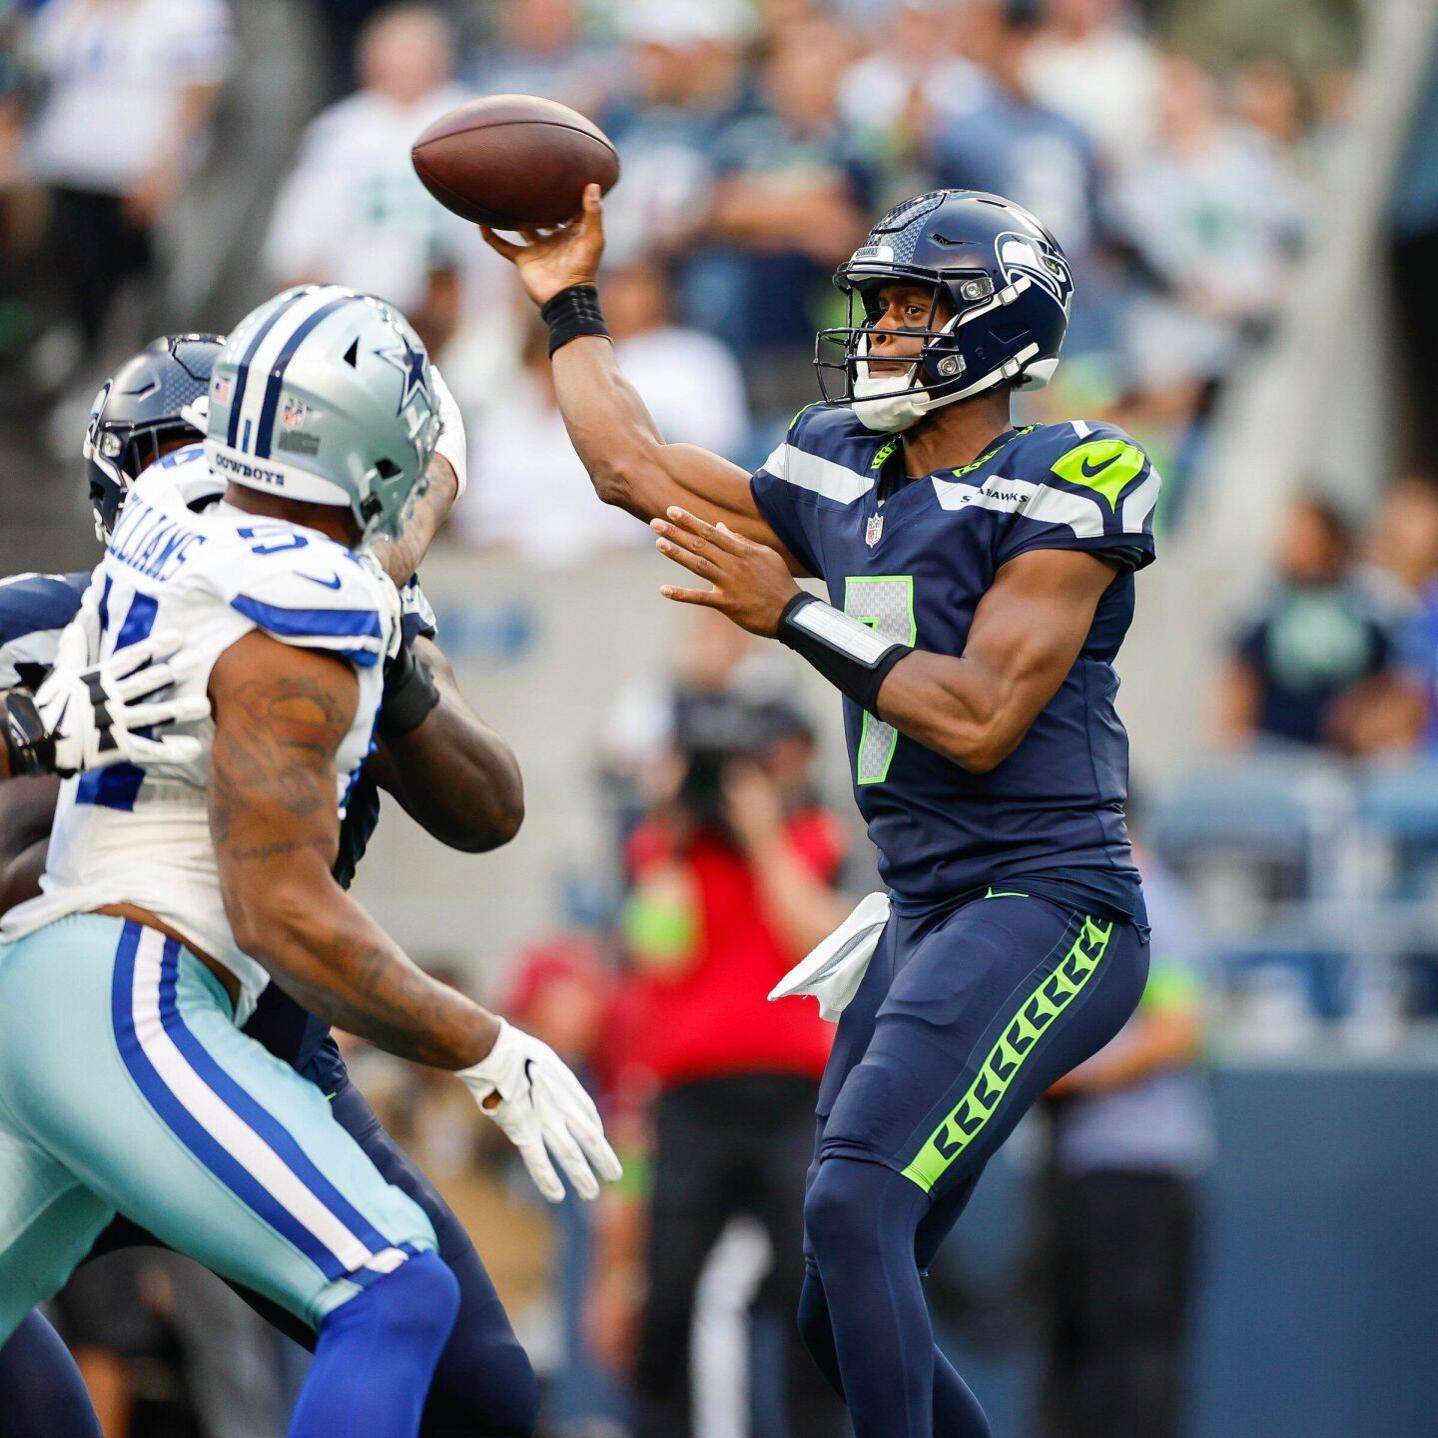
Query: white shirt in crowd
{"x":115,"y":70}
{"x":529,"y":492}
{"x":691,"y":384}
{"x":353,"y":212}
{"x":1224,"y":221}
{"x":874,"y":91}
{"x":1107,"y":84}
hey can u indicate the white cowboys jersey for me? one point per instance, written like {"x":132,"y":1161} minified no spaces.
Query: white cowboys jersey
{"x":212,"y":573}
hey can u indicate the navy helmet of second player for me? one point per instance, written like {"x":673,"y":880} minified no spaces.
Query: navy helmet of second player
{"x":154,"y":403}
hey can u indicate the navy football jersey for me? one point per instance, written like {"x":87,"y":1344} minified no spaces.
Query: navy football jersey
{"x":913,"y":560}
{"x":34,"y":609}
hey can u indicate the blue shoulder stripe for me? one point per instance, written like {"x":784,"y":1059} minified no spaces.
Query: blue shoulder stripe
{"x":316,"y":624}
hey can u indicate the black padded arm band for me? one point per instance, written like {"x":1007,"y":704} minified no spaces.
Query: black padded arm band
{"x":844,"y":650}
{"x":572,"y":313}
{"x":410,"y":694}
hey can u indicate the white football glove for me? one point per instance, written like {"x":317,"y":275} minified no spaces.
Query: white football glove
{"x":452,"y":444}
{"x":833,"y":970}
{"x":91,"y":712}
{"x":528,"y":1090}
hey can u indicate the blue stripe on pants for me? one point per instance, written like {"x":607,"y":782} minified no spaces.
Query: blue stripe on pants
{"x":182,"y":1123}
{"x":241,"y":1102}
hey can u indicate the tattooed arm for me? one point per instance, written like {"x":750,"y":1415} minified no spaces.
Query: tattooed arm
{"x":280,"y":716}
{"x":401,"y":556}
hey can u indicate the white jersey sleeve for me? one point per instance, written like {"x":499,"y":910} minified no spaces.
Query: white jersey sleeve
{"x":181,"y":560}
{"x":306,"y":590}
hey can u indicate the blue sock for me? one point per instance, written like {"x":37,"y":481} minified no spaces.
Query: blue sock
{"x":864,"y":1318}
{"x":376,"y":1355}
{"x":41,"y":1392}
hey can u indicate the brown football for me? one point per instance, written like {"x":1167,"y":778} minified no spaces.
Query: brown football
{"x":513,"y":160}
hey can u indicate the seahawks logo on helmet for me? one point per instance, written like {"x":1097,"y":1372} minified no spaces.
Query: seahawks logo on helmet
{"x":1025,"y":255}
{"x":92,"y":428}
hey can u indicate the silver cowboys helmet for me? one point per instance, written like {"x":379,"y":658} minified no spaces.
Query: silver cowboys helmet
{"x":325,"y":395}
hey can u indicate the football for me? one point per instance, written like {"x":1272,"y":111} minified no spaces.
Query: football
{"x":513,"y":161}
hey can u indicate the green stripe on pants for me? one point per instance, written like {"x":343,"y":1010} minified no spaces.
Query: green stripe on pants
{"x":966,"y":1122}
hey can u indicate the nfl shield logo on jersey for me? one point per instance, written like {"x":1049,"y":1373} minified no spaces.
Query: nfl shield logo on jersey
{"x":874,"y":530}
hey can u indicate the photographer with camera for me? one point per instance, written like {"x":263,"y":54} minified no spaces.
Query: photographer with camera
{"x":733,"y":880}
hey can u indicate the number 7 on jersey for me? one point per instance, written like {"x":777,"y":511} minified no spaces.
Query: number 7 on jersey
{"x":885,"y":602}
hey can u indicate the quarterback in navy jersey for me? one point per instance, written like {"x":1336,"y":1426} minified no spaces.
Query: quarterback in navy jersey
{"x":484,"y":1383}
{"x":979,"y":582}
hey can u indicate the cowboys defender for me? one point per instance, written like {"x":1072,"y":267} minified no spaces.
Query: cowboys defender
{"x":484,"y":1384}
{"x":980,"y":582}
{"x":148,"y":410}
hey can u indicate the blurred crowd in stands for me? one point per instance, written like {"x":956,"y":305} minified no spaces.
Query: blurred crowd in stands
{"x":1339,"y":654}
{"x":758,"y":139}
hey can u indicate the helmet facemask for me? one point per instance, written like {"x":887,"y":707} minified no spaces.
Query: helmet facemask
{"x":940,"y":373}
{"x":377,"y":515}
{"x":896,"y":398}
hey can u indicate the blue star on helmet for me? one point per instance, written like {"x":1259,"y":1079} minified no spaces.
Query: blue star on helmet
{"x":411,"y":363}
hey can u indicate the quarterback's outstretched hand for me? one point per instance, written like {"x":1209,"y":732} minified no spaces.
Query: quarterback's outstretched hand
{"x":752,"y":583}
{"x":557,"y":259}
{"x":528,"y":1090}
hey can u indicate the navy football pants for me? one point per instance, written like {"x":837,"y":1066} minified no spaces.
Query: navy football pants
{"x":965,"y":1017}
{"x":483,"y":1387}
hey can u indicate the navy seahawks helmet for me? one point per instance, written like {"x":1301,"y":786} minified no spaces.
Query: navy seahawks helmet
{"x":149,"y":407}
{"x":1005,"y":278}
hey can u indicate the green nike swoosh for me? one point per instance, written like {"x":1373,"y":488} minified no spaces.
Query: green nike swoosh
{"x":1105,"y":466}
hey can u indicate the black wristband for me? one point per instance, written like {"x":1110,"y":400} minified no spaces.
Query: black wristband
{"x":28,"y":745}
{"x":572,"y":313}
{"x":854,"y":659}
{"x":409,"y":694}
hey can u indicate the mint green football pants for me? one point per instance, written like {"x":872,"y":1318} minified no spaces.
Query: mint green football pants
{"x":126,"y":1087}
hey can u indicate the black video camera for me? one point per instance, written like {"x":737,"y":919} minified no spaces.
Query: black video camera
{"x":712,"y":731}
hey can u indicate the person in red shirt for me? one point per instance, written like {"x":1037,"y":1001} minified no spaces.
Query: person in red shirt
{"x":734,"y":880}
